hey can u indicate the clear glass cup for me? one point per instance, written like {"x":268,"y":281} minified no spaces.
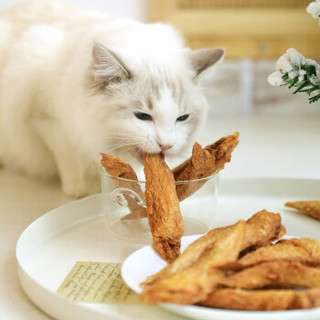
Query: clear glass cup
{"x":126,"y":214}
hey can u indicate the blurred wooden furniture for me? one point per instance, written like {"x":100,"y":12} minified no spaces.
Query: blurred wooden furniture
{"x":260,"y":29}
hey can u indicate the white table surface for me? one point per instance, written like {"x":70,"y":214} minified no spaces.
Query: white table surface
{"x":269,"y":147}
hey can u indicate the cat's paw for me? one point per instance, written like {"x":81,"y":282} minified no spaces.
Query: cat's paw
{"x":74,"y":187}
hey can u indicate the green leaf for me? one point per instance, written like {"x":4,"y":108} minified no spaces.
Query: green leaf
{"x":311,"y":70}
{"x":305,"y":84}
{"x":314,"y":99}
{"x":309,"y":91}
{"x":293,"y":82}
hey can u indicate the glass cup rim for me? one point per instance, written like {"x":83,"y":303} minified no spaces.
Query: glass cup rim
{"x":212,"y":176}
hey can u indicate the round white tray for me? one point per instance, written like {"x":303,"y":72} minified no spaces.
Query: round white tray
{"x":48,"y":249}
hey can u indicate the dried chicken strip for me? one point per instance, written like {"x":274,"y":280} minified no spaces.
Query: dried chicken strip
{"x":203,"y":163}
{"x":196,"y":281}
{"x":311,"y":246}
{"x":190,"y":255}
{"x":165,"y":220}
{"x":200,"y":165}
{"x":221,"y":153}
{"x":261,"y":228}
{"x":222,"y":149}
{"x":309,"y":208}
{"x":263,"y":300}
{"x":274,"y":274}
{"x":119,"y":169}
{"x":290,"y":249}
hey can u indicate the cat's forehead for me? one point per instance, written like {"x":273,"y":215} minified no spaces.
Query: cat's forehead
{"x":165,"y":88}
{"x":166,"y":102}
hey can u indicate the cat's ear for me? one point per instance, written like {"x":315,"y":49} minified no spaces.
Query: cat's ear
{"x":203,"y":59}
{"x":107,"y":65}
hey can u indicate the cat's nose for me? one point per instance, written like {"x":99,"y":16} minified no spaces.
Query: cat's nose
{"x":165,"y":147}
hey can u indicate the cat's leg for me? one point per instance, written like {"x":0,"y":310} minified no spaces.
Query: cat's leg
{"x":78,"y":177}
{"x":21,"y":149}
{"x":75,"y":181}
{"x":72,"y":166}
{"x":72,"y":180}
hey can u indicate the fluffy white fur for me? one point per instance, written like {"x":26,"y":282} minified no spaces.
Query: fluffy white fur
{"x":75,"y":83}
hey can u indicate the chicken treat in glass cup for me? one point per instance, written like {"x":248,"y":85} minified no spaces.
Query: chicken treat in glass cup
{"x":126,"y":214}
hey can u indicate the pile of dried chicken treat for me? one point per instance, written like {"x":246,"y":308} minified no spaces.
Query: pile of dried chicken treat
{"x":242,"y":266}
{"x":162,"y":194}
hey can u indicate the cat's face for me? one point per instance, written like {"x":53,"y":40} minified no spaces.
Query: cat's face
{"x":155,"y":116}
{"x":157,"y":106}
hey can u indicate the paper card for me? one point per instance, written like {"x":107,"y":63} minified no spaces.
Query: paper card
{"x":97,"y":282}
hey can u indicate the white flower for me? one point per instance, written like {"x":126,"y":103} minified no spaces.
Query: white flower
{"x":291,"y":60}
{"x":314,"y":9}
{"x":292,"y":74}
{"x":301,"y":74}
{"x":283,"y":64}
{"x":295,"y":57}
{"x":310,"y":62}
{"x":275,"y":79}
{"x":315,"y":78}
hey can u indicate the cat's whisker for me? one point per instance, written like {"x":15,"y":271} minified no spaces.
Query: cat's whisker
{"x":139,"y":153}
{"x":124,"y":146}
{"x":120,"y":135}
{"x":109,"y":137}
{"x":124,"y":142}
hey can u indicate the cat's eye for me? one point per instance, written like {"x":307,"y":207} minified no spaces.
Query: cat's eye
{"x":143,"y":116}
{"x":183,"y":118}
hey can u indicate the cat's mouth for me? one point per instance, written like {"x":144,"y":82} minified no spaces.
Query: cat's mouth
{"x":138,"y":153}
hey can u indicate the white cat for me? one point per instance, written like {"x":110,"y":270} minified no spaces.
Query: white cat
{"x":76,"y":83}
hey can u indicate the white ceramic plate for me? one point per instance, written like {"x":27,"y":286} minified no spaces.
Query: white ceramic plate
{"x":145,"y":262}
{"x":51,"y":245}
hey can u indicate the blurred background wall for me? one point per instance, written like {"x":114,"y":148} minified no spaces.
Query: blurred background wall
{"x":134,"y":9}
{"x":259,"y":29}
{"x":255,"y":34}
